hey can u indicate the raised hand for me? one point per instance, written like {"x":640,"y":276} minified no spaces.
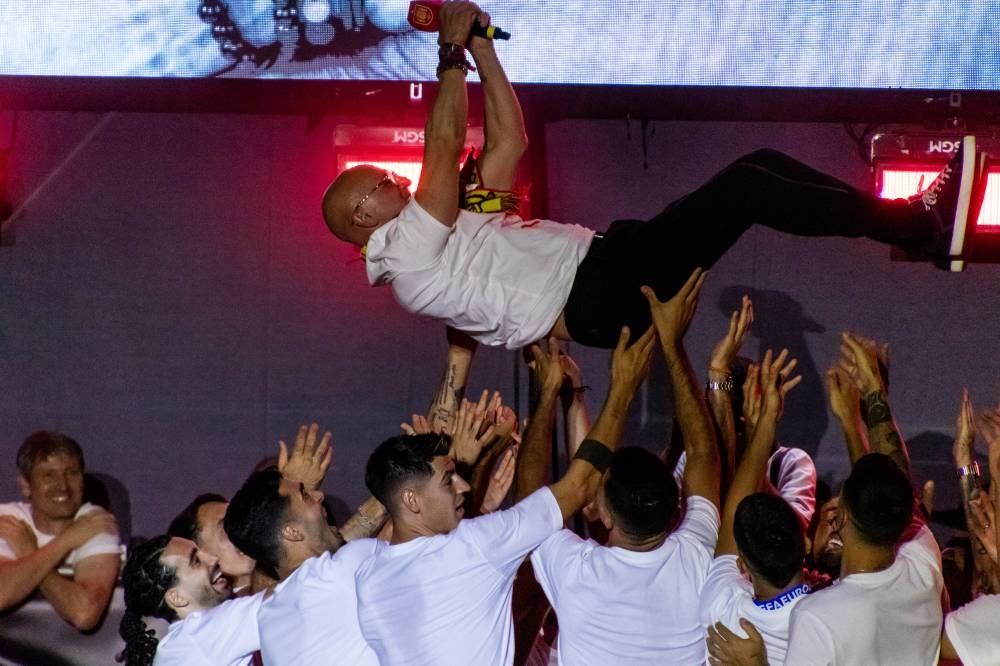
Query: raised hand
{"x":729,"y":346}
{"x":500,"y":481}
{"x":467,"y":442}
{"x":630,"y":363}
{"x":673,"y":317}
{"x":547,"y":366}
{"x":859,"y":360}
{"x":457,"y":18}
{"x":309,"y":460}
{"x":843,"y":394}
{"x":419,"y":425}
{"x":727,"y":648}
{"x":775,"y":382}
{"x":963,"y":449}
{"x":18,"y":536}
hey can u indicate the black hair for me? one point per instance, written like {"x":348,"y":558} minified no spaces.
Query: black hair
{"x":769,"y":536}
{"x":401,"y":458}
{"x":145,"y":580}
{"x":641,"y":493}
{"x":879,"y":499}
{"x":185,"y":525}
{"x":255,"y":516}
{"x":40,"y":445}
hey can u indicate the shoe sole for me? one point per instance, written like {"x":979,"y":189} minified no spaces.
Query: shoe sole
{"x":956,"y":263}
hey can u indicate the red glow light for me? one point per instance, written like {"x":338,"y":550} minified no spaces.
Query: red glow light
{"x":900,"y":182}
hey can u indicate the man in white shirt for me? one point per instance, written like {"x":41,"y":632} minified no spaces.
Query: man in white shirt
{"x":508,"y":281}
{"x":55,"y":544}
{"x":201,"y":522}
{"x":635,"y":601}
{"x":170,"y":578}
{"x":311,"y":616}
{"x":886,"y":606}
{"x":761,"y":535}
{"x":440,"y":592}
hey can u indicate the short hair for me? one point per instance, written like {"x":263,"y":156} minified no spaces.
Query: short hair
{"x":879,"y":499}
{"x":401,"y":458}
{"x":641,"y":492}
{"x":42,"y":444}
{"x":255,"y":516}
{"x":185,"y":524}
{"x":769,"y":536}
{"x":145,"y":580}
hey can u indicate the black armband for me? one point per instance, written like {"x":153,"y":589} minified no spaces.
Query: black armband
{"x":594,"y":452}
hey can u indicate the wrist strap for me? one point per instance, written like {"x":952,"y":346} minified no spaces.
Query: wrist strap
{"x":452,"y":56}
{"x":725,"y":385}
{"x":595,"y":453}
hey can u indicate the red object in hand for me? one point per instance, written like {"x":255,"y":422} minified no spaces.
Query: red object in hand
{"x":423,"y":15}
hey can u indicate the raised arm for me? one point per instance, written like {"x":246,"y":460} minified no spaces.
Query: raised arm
{"x":461,"y":349}
{"x":629,"y":368}
{"x":444,"y":132}
{"x":672,"y":319}
{"x":845,"y":405}
{"x":750,"y":474}
{"x":506,"y":139}
{"x":576,"y":417}
{"x":861,"y":363}
{"x":534,"y":455}
{"x":80,"y":600}
{"x":720,"y":379}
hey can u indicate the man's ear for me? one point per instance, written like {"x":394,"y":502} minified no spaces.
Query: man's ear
{"x":409,"y":500}
{"x":291,"y":532}
{"x":23,"y":486}
{"x":176,"y":598}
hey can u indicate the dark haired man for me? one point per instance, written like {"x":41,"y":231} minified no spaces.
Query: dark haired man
{"x":440,"y":592}
{"x":171,"y":578}
{"x":760,"y":538}
{"x":279,"y":519}
{"x":55,"y":543}
{"x":635,"y":601}
{"x":201,"y":522}
{"x":886,"y":607}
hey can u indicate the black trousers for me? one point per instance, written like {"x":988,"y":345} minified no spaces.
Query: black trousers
{"x":765,"y":187}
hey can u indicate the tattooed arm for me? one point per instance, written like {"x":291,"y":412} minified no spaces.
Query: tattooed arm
{"x":450,"y":392}
{"x":861,"y":363}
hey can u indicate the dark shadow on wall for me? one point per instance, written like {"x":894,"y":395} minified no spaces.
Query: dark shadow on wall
{"x":780,"y":322}
{"x":109,"y":493}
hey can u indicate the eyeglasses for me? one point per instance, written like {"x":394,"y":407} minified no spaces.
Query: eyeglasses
{"x":389,"y":177}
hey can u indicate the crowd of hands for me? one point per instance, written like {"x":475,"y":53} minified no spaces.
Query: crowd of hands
{"x":489,"y":440}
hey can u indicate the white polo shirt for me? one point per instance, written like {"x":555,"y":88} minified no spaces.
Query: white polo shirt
{"x":885,"y":617}
{"x":223,"y":636}
{"x":100,"y":544}
{"x":501,"y":279}
{"x":445,"y":600}
{"x":312,"y":616}
{"x":617,"y":606}
{"x":727,"y":596}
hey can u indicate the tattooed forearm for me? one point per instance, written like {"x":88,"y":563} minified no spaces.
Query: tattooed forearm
{"x":448,"y":397}
{"x":875,"y":409}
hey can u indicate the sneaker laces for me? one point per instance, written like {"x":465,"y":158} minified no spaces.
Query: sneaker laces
{"x":929,"y":196}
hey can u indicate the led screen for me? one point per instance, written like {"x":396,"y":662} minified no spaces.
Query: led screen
{"x":934,"y":44}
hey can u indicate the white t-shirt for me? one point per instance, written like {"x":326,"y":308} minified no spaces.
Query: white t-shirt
{"x":617,"y":606}
{"x":886,"y":617}
{"x":974,"y":630}
{"x":501,"y":279}
{"x":727,"y":596}
{"x":312,"y":616}
{"x":100,"y":544}
{"x":796,"y":480}
{"x":223,"y":636}
{"x":445,"y":600}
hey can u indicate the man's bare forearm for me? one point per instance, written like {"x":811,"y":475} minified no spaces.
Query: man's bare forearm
{"x":720,"y":405}
{"x":696,"y":429}
{"x":506,"y":138}
{"x":883,"y":434}
{"x":20,"y":577}
{"x":534,"y":455}
{"x":81,"y":603}
{"x":366,"y":521}
{"x":451,"y":390}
